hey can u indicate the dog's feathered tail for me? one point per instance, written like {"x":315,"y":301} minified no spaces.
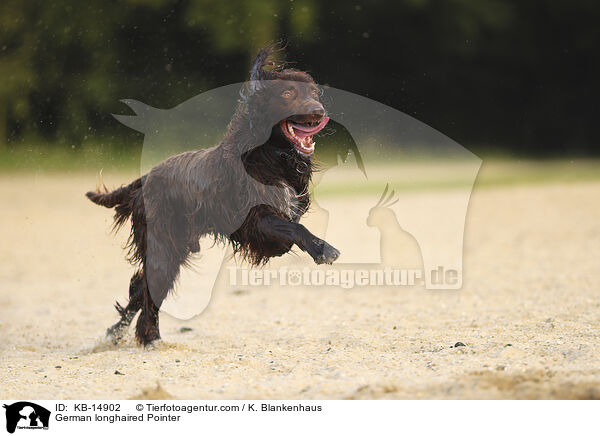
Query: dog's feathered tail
{"x":121,"y":199}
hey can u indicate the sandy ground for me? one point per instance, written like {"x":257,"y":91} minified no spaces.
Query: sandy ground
{"x":532,"y":258}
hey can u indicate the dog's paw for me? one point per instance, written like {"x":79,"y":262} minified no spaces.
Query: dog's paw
{"x":328,"y":255}
{"x":115,"y":333}
{"x":153,"y":345}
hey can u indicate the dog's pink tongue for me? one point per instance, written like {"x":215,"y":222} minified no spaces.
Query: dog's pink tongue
{"x":302,"y":131}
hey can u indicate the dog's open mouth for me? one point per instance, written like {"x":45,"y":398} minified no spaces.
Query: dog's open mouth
{"x":301,"y":134}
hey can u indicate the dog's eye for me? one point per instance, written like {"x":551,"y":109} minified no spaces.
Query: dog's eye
{"x":287,"y":93}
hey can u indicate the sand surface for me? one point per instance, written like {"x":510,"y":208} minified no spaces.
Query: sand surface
{"x":528,"y":312}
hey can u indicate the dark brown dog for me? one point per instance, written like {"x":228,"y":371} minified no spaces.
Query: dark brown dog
{"x":250,"y":190}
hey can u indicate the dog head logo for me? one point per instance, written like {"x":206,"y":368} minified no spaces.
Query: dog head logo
{"x":26,"y":415}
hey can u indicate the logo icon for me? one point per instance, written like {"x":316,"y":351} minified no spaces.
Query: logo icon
{"x":26,"y":415}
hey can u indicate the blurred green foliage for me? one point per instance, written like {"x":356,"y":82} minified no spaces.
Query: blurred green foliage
{"x":518,"y":76}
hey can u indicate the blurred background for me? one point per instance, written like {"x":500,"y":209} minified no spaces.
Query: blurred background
{"x":503,"y":78}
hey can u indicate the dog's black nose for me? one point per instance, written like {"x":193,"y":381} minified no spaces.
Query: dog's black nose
{"x":317,"y":110}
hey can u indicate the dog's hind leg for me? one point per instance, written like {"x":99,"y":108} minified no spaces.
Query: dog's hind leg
{"x":136,"y":298}
{"x":167,"y":247}
{"x":161,"y":276}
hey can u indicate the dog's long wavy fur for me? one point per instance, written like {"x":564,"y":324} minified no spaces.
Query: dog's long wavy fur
{"x":225,"y":191}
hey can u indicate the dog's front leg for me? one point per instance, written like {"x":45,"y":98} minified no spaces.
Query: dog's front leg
{"x":274,"y":227}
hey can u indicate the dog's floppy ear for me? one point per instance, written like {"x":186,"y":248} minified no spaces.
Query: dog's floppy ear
{"x":257,"y":72}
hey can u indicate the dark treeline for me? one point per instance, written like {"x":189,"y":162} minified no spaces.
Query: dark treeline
{"x":517,"y":77}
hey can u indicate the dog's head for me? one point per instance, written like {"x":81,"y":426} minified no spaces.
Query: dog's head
{"x":286,"y":101}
